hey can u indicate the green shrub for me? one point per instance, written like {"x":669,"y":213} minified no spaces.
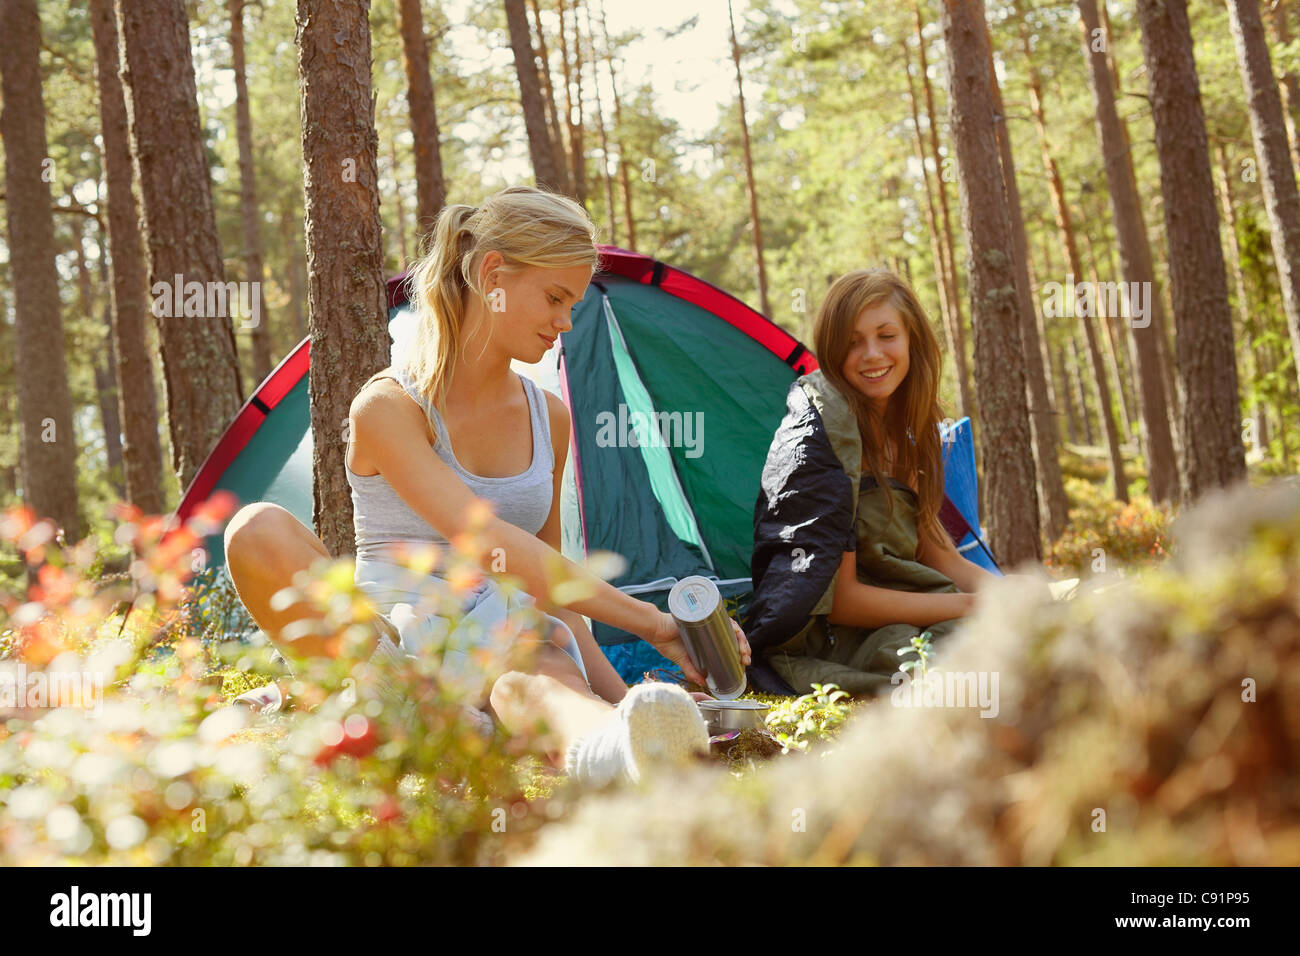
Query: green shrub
{"x":1105,"y":534}
{"x":797,"y":722}
{"x":377,"y":765}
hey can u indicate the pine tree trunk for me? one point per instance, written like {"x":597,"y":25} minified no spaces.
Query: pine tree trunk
{"x":1043,"y":348}
{"x":102,"y":367}
{"x":249,"y":217}
{"x":1276,"y":173}
{"x":611,"y":210}
{"x":1067,"y":392}
{"x":573,"y":106}
{"x":200,"y":368}
{"x":624,"y":178}
{"x":1057,"y":384}
{"x":752,"y":188}
{"x":1105,"y":336}
{"x":137,"y":394}
{"x":1117,"y":343}
{"x":399,"y":206}
{"x":1046,"y":435}
{"x":293,"y":266}
{"x":1136,"y":264}
{"x":49,"y":448}
{"x":967,"y":394}
{"x":1005,"y":432}
{"x":552,"y":111}
{"x":8,"y":470}
{"x":547,"y":174}
{"x":1076,"y":379}
{"x":430,"y":190}
{"x":1246,"y":320}
{"x":1207,"y":373}
{"x":932,"y":220}
{"x":347,"y":305}
{"x":112,"y":416}
{"x":1289,"y":88}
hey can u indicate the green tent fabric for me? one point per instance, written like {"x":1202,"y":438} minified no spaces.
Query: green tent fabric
{"x":650,"y":344}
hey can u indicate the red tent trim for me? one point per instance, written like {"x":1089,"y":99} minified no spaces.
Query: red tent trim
{"x":683,"y":285}
{"x":614,"y":262}
{"x":269,"y":394}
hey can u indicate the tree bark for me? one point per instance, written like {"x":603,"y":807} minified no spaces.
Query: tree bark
{"x":249,"y":217}
{"x":49,"y":448}
{"x":430,"y":190}
{"x":1045,"y":432}
{"x":1136,"y":265}
{"x":1248,"y":323}
{"x":624,"y":178}
{"x":293,"y":266}
{"x":399,"y":206}
{"x":1076,"y":380}
{"x":1207,"y":372}
{"x":1067,"y":394}
{"x":750,"y":185}
{"x":1288,"y":88}
{"x":112,"y":416}
{"x":573,"y":106}
{"x":347,"y":305}
{"x":605,"y":178}
{"x":1005,"y":434}
{"x":1117,"y":342}
{"x":545,"y":170}
{"x":102,"y":367}
{"x":1276,"y":173}
{"x":965,"y":392}
{"x":552,"y":111}
{"x":951,"y":330}
{"x":200,"y":368}
{"x":137,"y":393}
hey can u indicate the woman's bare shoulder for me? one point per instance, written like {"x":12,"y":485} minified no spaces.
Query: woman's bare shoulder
{"x":383,"y":398}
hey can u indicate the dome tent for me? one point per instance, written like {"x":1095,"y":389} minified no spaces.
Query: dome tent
{"x":675,"y":389}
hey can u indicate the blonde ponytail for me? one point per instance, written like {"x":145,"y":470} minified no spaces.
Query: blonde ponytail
{"x":528,"y":226}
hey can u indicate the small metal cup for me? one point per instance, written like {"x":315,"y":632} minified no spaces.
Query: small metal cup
{"x":697,"y":606}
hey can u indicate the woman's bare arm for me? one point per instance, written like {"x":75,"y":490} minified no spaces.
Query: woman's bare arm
{"x":390,"y":434}
{"x":602,"y":677}
{"x":864,"y":605}
{"x":944,"y":557}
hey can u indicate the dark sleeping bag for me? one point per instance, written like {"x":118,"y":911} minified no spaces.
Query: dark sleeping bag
{"x":813,"y":505}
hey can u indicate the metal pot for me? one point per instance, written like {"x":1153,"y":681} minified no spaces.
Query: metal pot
{"x":725,"y":716}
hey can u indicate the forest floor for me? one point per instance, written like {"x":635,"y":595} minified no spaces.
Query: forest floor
{"x":193,"y":655}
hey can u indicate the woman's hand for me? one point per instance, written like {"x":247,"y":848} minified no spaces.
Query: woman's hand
{"x":663,"y":635}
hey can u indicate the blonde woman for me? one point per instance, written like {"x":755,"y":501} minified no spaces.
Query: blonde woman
{"x":451,"y":425}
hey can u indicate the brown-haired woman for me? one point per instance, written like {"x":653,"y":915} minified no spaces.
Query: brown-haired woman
{"x":497,"y":285}
{"x":851,"y":561}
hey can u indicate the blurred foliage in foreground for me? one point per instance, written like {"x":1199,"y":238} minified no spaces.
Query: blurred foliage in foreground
{"x":1108,"y":535}
{"x":143,"y":761}
{"x":1155,"y":719}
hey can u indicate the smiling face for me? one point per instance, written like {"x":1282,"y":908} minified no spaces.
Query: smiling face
{"x":532,"y":306}
{"x":878,"y":356}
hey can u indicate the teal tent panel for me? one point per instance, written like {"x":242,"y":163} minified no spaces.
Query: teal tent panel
{"x":618,"y":508}
{"x":730,"y":391}
{"x":274,"y":466}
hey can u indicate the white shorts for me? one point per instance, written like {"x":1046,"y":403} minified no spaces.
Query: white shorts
{"x":418,"y":606}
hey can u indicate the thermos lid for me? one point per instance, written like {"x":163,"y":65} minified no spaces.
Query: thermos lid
{"x":693,"y":599}
{"x":733,"y":705}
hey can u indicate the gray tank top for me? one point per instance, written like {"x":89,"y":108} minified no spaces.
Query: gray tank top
{"x":382,"y":520}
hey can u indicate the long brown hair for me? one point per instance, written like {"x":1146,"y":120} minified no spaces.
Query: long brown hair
{"x":528,"y":226}
{"x":913,"y":412}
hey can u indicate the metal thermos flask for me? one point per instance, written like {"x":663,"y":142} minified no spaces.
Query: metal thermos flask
{"x":697,"y":606}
